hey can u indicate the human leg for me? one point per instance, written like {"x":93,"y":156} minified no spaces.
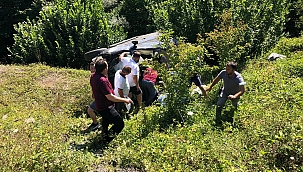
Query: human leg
{"x":91,"y":113}
{"x":220,"y":104}
{"x":138,"y":94}
{"x":94,"y":125}
{"x":197,"y":80}
{"x":235,"y":103}
{"x":203,"y":91}
{"x":139,"y":99}
{"x":111,"y":116}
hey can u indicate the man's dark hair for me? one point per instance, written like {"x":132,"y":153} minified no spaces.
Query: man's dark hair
{"x":127,"y":69}
{"x":100,"y":65}
{"x":137,"y":54}
{"x":233,"y":65}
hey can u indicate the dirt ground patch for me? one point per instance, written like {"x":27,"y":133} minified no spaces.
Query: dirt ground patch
{"x":54,"y":81}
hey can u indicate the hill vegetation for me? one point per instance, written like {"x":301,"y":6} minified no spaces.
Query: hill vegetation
{"x":43,"y":114}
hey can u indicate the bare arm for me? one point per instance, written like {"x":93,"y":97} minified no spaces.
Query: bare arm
{"x":136,"y":81}
{"x":114,"y":98}
{"x":203,"y":91}
{"x":120,"y":91}
{"x":215,"y":81}
{"x":238,"y":94}
{"x":122,"y":55}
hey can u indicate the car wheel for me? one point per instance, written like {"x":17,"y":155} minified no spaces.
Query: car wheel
{"x":91,"y":54}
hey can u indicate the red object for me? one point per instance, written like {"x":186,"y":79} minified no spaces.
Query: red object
{"x":151,"y":75}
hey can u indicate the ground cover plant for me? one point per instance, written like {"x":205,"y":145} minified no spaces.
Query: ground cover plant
{"x":43,"y":113}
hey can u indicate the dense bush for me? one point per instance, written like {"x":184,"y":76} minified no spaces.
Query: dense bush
{"x":228,"y":42}
{"x":63,"y":33}
{"x":13,"y":12}
{"x":287,"y":46}
{"x":294,"y":23}
{"x":247,"y":27}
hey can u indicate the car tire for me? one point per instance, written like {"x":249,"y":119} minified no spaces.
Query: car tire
{"x":91,"y":54}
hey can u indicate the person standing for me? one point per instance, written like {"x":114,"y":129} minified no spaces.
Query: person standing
{"x":233,"y":87}
{"x":133,"y":77}
{"x":122,"y":85}
{"x":105,"y":101}
{"x":91,"y":109}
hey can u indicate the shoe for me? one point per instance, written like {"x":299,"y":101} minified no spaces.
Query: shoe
{"x":92,"y":127}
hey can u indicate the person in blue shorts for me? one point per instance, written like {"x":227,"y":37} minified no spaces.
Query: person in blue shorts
{"x":92,"y":108}
{"x":197,"y":80}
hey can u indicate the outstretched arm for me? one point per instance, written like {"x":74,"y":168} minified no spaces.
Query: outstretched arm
{"x":122,"y":55}
{"x":114,"y":98}
{"x":203,"y":91}
{"x":215,"y":81}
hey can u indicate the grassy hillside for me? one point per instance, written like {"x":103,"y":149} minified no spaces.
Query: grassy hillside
{"x":43,"y":113}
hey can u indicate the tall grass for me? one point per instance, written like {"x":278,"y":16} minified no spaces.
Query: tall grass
{"x":43,"y":112}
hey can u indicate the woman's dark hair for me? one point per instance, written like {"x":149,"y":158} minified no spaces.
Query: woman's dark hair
{"x":233,"y":65}
{"x":100,"y":65}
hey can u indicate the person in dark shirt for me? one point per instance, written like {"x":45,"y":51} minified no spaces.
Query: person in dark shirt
{"x":105,"y":101}
{"x":148,"y":88}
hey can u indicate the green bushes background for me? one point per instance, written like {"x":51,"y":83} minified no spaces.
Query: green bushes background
{"x":65,"y":29}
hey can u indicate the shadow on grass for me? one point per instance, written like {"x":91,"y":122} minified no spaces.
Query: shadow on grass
{"x":94,"y":144}
{"x":227,"y":118}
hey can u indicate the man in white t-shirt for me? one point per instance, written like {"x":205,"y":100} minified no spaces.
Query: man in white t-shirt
{"x":122,"y":85}
{"x":121,"y":82}
{"x":133,"y":77}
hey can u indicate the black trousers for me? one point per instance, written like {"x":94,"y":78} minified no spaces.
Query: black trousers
{"x":111,"y":116}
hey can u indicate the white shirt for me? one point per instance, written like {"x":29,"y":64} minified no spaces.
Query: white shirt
{"x":135,"y":70}
{"x":121,"y":82}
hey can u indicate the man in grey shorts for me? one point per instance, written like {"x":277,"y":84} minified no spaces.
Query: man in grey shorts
{"x":233,"y":87}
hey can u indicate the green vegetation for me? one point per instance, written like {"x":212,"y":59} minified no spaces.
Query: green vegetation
{"x":43,"y":113}
{"x":65,"y":29}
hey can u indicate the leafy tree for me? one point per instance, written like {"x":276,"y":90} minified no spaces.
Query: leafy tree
{"x":12,"y":12}
{"x":187,"y":19}
{"x":294,"y":23}
{"x":265,"y":21}
{"x":255,"y":25}
{"x":63,"y":33}
{"x":185,"y":60}
{"x":137,"y":16}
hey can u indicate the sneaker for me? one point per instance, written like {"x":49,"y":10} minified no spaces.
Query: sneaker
{"x":92,"y":127}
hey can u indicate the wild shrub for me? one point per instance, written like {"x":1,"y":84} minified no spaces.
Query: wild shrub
{"x":288,"y":46}
{"x":185,"y":60}
{"x":228,"y":41}
{"x":64,"y":31}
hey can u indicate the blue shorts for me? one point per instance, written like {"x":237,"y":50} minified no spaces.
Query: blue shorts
{"x":196,"y":79}
{"x":93,"y":105}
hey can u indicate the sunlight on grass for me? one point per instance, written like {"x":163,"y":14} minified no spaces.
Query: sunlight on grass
{"x":43,"y":111}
